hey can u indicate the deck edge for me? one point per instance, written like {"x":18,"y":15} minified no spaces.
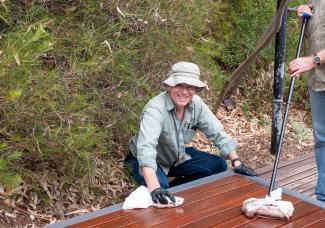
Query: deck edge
{"x":116,"y":207}
{"x":291,"y":192}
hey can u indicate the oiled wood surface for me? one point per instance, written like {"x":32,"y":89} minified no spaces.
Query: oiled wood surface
{"x":298,"y":174}
{"x":213,"y":204}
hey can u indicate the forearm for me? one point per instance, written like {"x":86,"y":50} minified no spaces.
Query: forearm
{"x":240,"y":167}
{"x":305,"y":64}
{"x":150,"y":177}
{"x":232,"y":155}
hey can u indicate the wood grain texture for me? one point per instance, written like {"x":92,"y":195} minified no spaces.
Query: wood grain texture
{"x":214,"y":204}
{"x":299,"y":174}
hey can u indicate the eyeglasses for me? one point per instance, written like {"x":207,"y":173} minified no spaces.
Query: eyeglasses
{"x":187,"y":87}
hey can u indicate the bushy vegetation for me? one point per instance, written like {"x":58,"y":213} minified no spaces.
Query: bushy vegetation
{"x":75,"y":75}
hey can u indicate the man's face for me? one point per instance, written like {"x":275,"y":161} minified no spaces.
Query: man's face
{"x":182,"y":94}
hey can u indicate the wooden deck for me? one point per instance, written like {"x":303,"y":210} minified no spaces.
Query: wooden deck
{"x":216,"y":201}
{"x":299,"y":174}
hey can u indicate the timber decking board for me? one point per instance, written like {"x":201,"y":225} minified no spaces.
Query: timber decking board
{"x":193,"y":204}
{"x":195,"y":211}
{"x":294,"y":172}
{"x":301,"y":182}
{"x":302,"y":158}
{"x":311,"y":173}
{"x":216,"y":203}
{"x":286,"y":168}
{"x":307,"y":187}
{"x":241,"y":219}
{"x":307,"y":220}
{"x":218,"y":185}
{"x":224,"y":212}
{"x":299,"y":174}
{"x":301,"y":210}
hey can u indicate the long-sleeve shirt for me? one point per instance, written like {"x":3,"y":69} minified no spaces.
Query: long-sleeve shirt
{"x":315,"y":32}
{"x":162,"y":137}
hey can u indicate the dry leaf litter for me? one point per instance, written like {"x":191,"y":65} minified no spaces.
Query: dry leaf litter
{"x":111,"y":185}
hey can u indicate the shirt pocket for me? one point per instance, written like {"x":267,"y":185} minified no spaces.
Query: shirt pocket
{"x":167,"y":138}
{"x":189,"y":134}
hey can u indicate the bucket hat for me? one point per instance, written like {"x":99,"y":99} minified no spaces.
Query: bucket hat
{"x":184,"y":72}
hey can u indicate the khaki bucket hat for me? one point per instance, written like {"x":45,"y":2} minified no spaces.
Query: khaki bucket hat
{"x":184,"y":72}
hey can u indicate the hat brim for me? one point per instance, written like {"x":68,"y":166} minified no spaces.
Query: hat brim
{"x":175,"y":80}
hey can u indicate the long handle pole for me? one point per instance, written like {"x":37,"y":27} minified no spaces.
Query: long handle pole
{"x":292,"y":83}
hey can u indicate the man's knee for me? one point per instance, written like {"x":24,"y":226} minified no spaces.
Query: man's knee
{"x":222,"y":166}
{"x":218,"y":165}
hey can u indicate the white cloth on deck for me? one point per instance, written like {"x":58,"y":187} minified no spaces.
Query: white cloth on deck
{"x":140,"y":198}
{"x":270,"y":206}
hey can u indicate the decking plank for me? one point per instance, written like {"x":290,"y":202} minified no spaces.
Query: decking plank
{"x":310,"y":193}
{"x":218,"y":203}
{"x":302,"y":181}
{"x":225,"y":210}
{"x":307,"y":220}
{"x":304,"y":188}
{"x":210,"y":185}
{"x":186,"y":193}
{"x":241,"y":220}
{"x":287,"y":168}
{"x":319,"y":224}
{"x":301,"y":209}
{"x":310,"y":168}
{"x":299,"y":174}
{"x":193,"y":203}
{"x":300,"y":159}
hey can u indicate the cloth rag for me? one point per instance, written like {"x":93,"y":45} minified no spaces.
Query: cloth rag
{"x":140,"y":198}
{"x":271,"y":206}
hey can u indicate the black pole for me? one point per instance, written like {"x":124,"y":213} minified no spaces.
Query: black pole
{"x":279,"y":58}
{"x":292,"y":83}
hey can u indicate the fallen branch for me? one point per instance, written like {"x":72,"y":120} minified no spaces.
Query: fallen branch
{"x":42,"y":217}
{"x":239,"y":73}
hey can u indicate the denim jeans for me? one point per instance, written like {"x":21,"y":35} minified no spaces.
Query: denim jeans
{"x":202,"y":164}
{"x":317,"y":101}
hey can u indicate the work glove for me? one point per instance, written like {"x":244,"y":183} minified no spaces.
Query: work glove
{"x":245,"y":170}
{"x":160,"y":195}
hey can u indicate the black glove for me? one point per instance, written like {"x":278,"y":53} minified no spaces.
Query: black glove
{"x":245,"y":170}
{"x":160,"y":195}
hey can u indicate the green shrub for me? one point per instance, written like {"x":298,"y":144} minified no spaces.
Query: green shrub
{"x":75,"y":75}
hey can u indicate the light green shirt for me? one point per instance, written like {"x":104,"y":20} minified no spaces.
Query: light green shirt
{"x":315,"y":32}
{"x":162,"y":138}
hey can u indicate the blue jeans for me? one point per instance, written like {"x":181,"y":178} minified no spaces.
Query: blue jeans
{"x":317,"y":101}
{"x":202,"y":164}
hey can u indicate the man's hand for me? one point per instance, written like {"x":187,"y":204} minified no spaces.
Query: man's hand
{"x":301,"y":65}
{"x":245,"y":170}
{"x":239,"y":167}
{"x":160,"y":195}
{"x":304,"y":9}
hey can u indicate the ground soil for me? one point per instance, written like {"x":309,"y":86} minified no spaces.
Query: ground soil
{"x":253,"y":133}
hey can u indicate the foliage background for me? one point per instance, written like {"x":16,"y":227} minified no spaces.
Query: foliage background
{"x":75,"y":75}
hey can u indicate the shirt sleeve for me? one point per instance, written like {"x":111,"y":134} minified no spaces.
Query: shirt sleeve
{"x":149,"y":132}
{"x":214,"y":130}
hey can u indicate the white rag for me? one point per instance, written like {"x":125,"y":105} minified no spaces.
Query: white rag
{"x":270,"y":206}
{"x":140,"y":198}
